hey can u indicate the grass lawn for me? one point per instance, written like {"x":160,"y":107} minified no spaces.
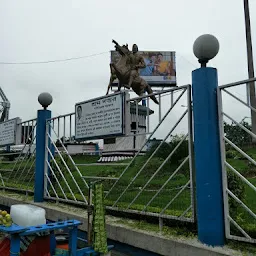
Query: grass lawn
{"x":240,"y":215}
{"x":18,"y":173}
{"x":21,"y":177}
{"x":168,"y":192}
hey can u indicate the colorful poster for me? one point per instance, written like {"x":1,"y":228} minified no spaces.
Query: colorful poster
{"x":160,"y":67}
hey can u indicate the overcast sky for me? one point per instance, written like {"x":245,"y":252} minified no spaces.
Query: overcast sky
{"x":58,"y":29}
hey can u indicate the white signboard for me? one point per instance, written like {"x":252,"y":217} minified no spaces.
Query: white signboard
{"x":100,"y":117}
{"x":10,"y":132}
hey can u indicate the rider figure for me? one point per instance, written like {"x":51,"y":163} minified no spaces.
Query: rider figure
{"x":136,"y":62}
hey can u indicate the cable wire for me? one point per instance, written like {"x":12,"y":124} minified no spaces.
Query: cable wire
{"x":52,"y":61}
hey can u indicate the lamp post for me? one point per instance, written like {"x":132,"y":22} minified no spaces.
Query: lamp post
{"x":251,"y":85}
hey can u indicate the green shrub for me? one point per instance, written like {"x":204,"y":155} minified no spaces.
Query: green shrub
{"x":153,"y":165}
{"x":181,"y":152}
{"x":58,"y":162}
{"x":237,"y":135}
{"x":10,"y":157}
{"x":167,"y":148}
{"x":236,"y":186}
{"x":162,"y":152}
{"x":231,"y":154}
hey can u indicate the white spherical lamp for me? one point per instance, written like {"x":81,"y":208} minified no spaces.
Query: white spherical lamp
{"x":205,"y":48}
{"x":45,"y":99}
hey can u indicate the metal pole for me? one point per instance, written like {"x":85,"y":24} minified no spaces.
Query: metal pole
{"x":172,"y":99}
{"x":15,"y":245}
{"x":147,"y":115}
{"x":159,"y":109}
{"x":223,"y":166}
{"x":251,"y":85}
{"x":89,"y":211}
{"x":191,"y":154}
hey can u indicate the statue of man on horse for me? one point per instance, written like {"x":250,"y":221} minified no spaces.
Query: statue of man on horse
{"x":126,"y":70}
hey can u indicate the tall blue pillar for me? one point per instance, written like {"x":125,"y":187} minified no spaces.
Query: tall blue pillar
{"x":42,"y":116}
{"x":210,"y":210}
{"x":97,"y":149}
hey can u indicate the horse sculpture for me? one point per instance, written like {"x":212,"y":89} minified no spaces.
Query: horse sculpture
{"x":121,"y":70}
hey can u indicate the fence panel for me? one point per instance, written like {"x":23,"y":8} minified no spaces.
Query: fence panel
{"x":238,"y":134}
{"x":156,"y":181}
{"x":17,"y":163}
{"x":160,"y":182}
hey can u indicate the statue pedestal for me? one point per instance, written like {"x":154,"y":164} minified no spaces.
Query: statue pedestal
{"x":120,"y":148}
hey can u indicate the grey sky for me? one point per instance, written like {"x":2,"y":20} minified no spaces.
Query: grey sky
{"x":46,"y":30}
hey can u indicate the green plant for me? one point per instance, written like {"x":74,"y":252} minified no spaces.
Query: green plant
{"x":10,"y":157}
{"x":237,"y":135}
{"x":231,"y":154}
{"x":166,"y":149}
{"x":58,"y":164}
{"x":181,"y":152}
{"x":162,"y":152}
{"x":153,"y":165}
{"x":236,"y":186}
{"x":99,"y":225}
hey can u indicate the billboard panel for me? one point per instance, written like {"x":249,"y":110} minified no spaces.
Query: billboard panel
{"x":160,"y":67}
{"x":10,"y":134}
{"x":100,"y":117}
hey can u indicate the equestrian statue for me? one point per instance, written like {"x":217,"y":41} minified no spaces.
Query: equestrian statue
{"x":126,"y":70}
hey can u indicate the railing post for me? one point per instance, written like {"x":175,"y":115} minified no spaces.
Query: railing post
{"x":210,"y":210}
{"x":45,"y":100}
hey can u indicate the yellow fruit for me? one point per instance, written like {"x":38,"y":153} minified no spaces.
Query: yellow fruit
{"x":4,"y":213}
{"x":8,"y":217}
{"x":4,"y":221}
{"x":8,"y":224}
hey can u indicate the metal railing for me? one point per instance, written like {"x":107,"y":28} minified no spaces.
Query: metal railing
{"x":238,"y":160}
{"x":17,"y":164}
{"x":168,"y":192}
{"x":61,"y":173}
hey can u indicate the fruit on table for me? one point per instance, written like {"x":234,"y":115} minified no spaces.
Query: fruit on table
{"x":8,"y":216}
{"x":4,"y":213}
{"x":5,"y":219}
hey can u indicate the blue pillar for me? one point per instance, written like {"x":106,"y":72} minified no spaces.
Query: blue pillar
{"x":210,"y":210}
{"x":97,"y":149}
{"x":52,"y":243}
{"x":72,"y":243}
{"x":42,"y":116}
{"x":15,"y":245}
